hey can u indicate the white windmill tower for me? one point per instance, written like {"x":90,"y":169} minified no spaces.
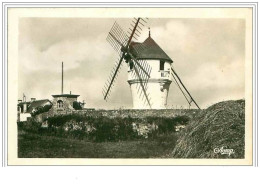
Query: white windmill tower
{"x":159,"y":81}
{"x":149,"y":68}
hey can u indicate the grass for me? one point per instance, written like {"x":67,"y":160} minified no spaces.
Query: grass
{"x":33,"y":145}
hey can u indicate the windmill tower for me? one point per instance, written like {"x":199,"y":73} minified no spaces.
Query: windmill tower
{"x":150,"y":70}
{"x":160,"y":78}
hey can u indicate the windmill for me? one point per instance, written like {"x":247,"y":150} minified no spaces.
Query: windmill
{"x":149,"y":82}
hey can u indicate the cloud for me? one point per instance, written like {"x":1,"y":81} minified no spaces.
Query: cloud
{"x":208,"y":55}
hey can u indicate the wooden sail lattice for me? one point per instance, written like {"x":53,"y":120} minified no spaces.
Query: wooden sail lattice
{"x":121,"y":41}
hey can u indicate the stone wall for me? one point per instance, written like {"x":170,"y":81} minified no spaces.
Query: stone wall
{"x":140,"y":113}
{"x":123,"y":113}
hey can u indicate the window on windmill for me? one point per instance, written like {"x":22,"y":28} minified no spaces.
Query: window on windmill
{"x":131,"y":64}
{"x":162,"y":65}
{"x":60,"y":104}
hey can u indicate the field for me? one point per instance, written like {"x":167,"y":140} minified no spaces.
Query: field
{"x":32,"y":145}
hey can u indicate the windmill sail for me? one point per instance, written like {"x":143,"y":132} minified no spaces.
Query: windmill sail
{"x":117,"y":38}
{"x":120,"y":41}
{"x":143,"y":87}
{"x":112,"y":77}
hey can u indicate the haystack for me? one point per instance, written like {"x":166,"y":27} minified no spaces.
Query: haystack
{"x":216,"y":132}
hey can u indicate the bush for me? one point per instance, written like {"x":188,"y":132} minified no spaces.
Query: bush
{"x":29,"y":125}
{"x":101,"y":128}
{"x":77,"y":105}
{"x":40,"y":109}
{"x":166,"y":125}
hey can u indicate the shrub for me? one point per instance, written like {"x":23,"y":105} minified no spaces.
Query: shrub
{"x":77,"y":105}
{"x":102,"y":128}
{"x":29,"y":125}
{"x":41,"y":109}
{"x":166,"y":125}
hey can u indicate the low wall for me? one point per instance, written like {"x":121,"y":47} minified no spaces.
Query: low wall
{"x":125,"y":113}
{"x":140,"y":113}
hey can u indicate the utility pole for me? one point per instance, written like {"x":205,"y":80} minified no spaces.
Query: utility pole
{"x":62,"y":78}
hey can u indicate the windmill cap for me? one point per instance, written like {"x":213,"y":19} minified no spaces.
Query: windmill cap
{"x":148,"y":50}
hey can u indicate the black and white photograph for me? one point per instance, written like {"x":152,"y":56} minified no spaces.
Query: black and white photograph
{"x":129,"y":84}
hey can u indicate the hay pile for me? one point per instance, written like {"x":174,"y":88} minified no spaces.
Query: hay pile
{"x":221,"y":125}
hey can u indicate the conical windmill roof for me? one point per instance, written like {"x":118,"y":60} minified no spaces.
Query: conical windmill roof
{"x":148,"y":50}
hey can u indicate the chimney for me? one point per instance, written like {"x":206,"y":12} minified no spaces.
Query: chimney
{"x":70,"y":92}
{"x":19,"y":101}
{"x":25,"y":107}
{"x":33,"y":99}
{"x":24,"y":98}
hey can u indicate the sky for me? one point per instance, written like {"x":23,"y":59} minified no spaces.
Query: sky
{"x":208,"y":55}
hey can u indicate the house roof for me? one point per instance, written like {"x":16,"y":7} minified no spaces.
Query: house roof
{"x":21,"y":103}
{"x":66,"y":95}
{"x":38,"y":103}
{"x":148,"y":50}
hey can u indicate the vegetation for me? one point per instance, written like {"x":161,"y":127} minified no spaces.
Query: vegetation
{"x":82,"y":136}
{"x":103,"y":129}
{"x":32,"y":145}
{"x":220,"y":126}
{"x":41,"y":109}
{"x":77,"y":105}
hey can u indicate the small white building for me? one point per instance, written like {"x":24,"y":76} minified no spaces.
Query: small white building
{"x":160,"y":77}
{"x":24,"y":109}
